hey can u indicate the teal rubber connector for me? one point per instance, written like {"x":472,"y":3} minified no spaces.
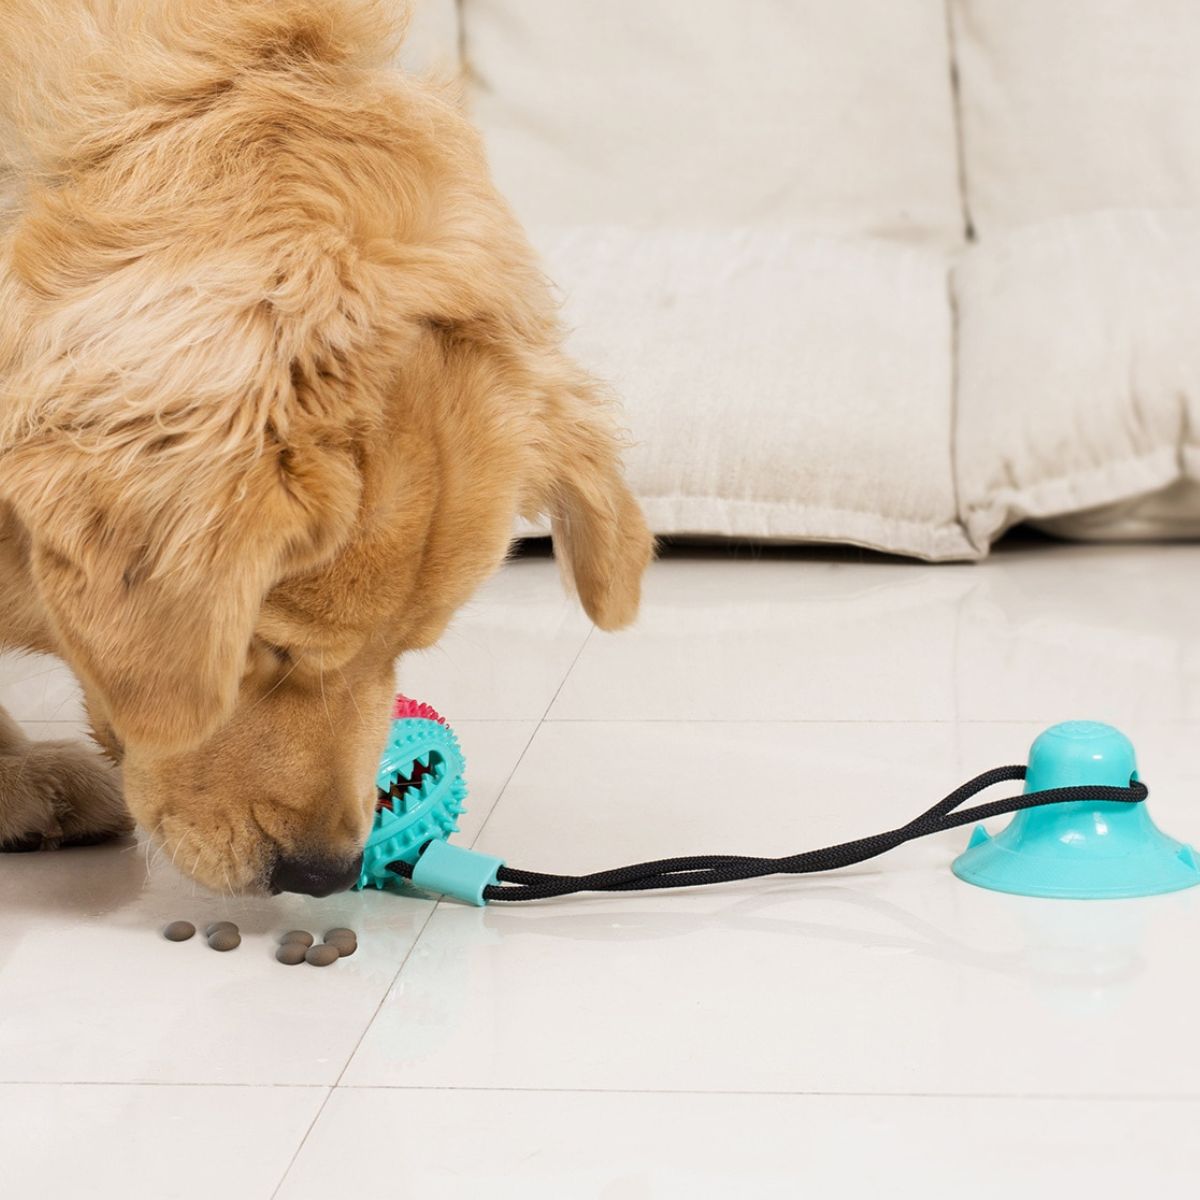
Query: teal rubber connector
{"x":452,"y":871}
{"x":1085,"y":850}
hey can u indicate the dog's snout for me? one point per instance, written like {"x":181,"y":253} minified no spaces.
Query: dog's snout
{"x":315,"y":876}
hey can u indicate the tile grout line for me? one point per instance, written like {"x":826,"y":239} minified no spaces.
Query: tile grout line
{"x":337,"y":1083}
{"x":542,"y":720}
{"x":1081,"y":1097}
{"x":437,"y":903}
{"x":300,"y":1144}
{"x":164,"y":1083}
{"x":507,"y":780}
{"x":567,"y":673}
{"x":387,"y":991}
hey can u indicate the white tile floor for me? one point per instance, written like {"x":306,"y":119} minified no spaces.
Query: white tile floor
{"x":885,"y":1031}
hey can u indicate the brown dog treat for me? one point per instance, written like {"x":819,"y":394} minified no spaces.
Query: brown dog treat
{"x":220,"y":927}
{"x":302,"y":936}
{"x":322,"y":956}
{"x":291,"y":953}
{"x":343,"y":945}
{"x":225,"y":939}
{"x":336,"y":935}
{"x":179,"y":931}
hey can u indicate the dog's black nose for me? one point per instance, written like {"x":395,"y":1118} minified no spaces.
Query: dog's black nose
{"x":315,"y":876}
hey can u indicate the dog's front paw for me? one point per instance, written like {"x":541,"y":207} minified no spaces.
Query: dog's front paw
{"x":56,"y":794}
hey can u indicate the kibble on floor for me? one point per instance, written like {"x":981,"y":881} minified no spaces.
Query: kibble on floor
{"x":220,"y":927}
{"x":300,"y":936}
{"x":321,"y":956}
{"x":225,"y":939}
{"x":291,"y":954}
{"x":343,"y":945}
{"x":179,"y":931}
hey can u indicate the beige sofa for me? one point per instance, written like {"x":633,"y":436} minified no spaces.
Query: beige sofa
{"x":892,"y":272}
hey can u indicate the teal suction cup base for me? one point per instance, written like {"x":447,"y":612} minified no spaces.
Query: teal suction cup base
{"x":1164,"y":866}
{"x":1079,"y":851}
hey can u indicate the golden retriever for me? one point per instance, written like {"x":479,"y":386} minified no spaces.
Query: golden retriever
{"x":277,"y":373}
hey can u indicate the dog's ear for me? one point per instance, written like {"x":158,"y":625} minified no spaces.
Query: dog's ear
{"x":599,"y":533}
{"x":152,"y":573}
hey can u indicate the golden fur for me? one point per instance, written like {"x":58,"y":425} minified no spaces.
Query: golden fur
{"x":277,"y":371}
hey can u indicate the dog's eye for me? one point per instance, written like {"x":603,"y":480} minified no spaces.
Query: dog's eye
{"x":279,"y":653}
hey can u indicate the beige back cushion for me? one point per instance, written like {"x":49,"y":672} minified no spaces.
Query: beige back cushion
{"x":834,"y":116}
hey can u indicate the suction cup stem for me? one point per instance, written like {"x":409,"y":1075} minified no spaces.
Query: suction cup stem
{"x":1081,"y":850}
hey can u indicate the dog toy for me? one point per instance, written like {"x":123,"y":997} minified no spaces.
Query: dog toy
{"x":420,"y":790}
{"x":1082,"y":830}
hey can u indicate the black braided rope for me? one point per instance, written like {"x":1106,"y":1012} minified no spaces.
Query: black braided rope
{"x":699,"y":870}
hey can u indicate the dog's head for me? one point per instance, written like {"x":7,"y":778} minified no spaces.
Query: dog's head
{"x":282,"y":375}
{"x":236,"y":623}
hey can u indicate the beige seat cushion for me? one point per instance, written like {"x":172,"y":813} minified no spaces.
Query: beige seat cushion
{"x":1079,"y":366}
{"x":776,"y":385}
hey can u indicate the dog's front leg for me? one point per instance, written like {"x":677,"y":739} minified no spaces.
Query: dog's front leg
{"x":56,"y":793}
